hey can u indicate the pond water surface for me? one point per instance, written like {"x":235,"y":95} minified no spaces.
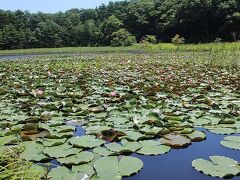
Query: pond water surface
{"x":177,"y":164}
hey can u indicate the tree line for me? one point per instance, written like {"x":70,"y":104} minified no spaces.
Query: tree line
{"x":123,"y":23}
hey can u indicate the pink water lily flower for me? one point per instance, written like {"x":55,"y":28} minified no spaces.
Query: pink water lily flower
{"x":39,"y":92}
{"x":113,"y":94}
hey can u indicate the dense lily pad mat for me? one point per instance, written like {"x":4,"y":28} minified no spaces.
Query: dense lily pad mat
{"x":125,"y":104}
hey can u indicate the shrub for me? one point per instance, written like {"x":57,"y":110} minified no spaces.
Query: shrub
{"x":218,"y":40}
{"x":178,"y":40}
{"x":122,"y":38}
{"x":149,"y":39}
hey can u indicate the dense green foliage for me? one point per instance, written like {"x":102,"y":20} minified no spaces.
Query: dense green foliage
{"x":195,"y":20}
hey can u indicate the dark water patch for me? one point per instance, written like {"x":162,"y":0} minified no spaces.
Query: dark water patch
{"x":79,"y":131}
{"x":177,"y":164}
{"x":53,"y":164}
{"x":20,"y":56}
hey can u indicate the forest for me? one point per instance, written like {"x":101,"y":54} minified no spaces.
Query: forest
{"x":123,"y":23}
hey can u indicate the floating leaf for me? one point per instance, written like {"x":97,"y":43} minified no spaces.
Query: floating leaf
{"x":175,"y":140}
{"x":7,"y":139}
{"x":79,"y":158}
{"x":125,"y":146}
{"x":60,"y":151}
{"x":84,"y":168}
{"x":220,"y":130}
{"x":150,"y":147}
{"x":64,"y":173}
{"x":130,"y":165}
{"x":107,"y":167}
{"x":231,"y":142}
{"x":197,"y":136}
{"x":86,"y":141}
{"x":53,"y":142}
{"x":103,"y":151}
{"x":29,"y":135}
{"x":110,"y":165}
{"x":40,"y":170}
{"x":33,"y":151}
{"x":219,"y":166}
{"x":111,"y":135}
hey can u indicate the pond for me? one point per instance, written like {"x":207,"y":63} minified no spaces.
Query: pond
{"x":177,"y":163}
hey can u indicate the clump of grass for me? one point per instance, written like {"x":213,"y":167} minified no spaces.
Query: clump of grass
{"x":12,"y":167}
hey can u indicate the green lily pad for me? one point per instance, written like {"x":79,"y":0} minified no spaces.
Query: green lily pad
{"x":107,"y":167}
{"x":231,"y":142}
{"x":64,"y":173}
{"x":130,"y":165}
{"x":110,"y":165}
{"x":175,"y":140}
{"x":125,"y":146}
{"x":7,"y":139}
{"x":87,"y":141}
{"x":53,"y":142}
{"x":150,"y":147}
{"x":84,"y":168}
{"x":80,"y":158}
{"x":103,"y":151}
{"x":33,"y":151}
{"x":39,"y":170}
{"x":135,"y":136}
{"x":220,"y":130}
{"x":61,"y":151}
{"x":197,"y":136}
{"x":219,"y":166}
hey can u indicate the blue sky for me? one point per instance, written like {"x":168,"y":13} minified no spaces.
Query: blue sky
{"x":49,"y":5}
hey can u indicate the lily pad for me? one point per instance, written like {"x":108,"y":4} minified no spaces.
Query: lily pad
{"x":39,"y":170}
{"x":87,"y":141}
{"x":80,"y":158}
{"x":63,"y":173}
{"x":175,"y":140}
{"x":84,"y":168}
{"x":61,"y":151}
{"x":33,"y":151}
{"x":197,"y":136}
{"x":53,"y":142}
{"x":103,"y":151}
{"x":125,"y":146}
{"x":7,"y":139}
{"x":219,"y":166}
{"x":110,"y":165}
{"x":220,"y":130}
{"x":130,"y":165}
{"x":150,"y":147}
{"x":231,"y":142}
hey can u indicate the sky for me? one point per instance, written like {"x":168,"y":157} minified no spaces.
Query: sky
{"x":49,"y":6}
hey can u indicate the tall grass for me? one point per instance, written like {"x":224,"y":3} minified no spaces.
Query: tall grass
{"x":137,"y":48}
{"x":12,"y":167}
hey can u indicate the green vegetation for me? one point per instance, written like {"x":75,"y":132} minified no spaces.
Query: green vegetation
{"x":137,"y":48}
{"x":143,"y":103}
{"x":196,"y":21}
{"x":15,"y":168}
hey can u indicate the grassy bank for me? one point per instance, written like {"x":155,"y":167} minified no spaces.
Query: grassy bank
{"x":134,"y":49}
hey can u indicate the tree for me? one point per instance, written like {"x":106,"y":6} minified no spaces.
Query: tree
{"x":109,"y":26}
{"x":48,"y":34}
{"x":149,"y":39}
{"x":122,"y":38}
{"x":178,"y":40}
{"x":10,"y":38}
{"x":141,"y":18}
